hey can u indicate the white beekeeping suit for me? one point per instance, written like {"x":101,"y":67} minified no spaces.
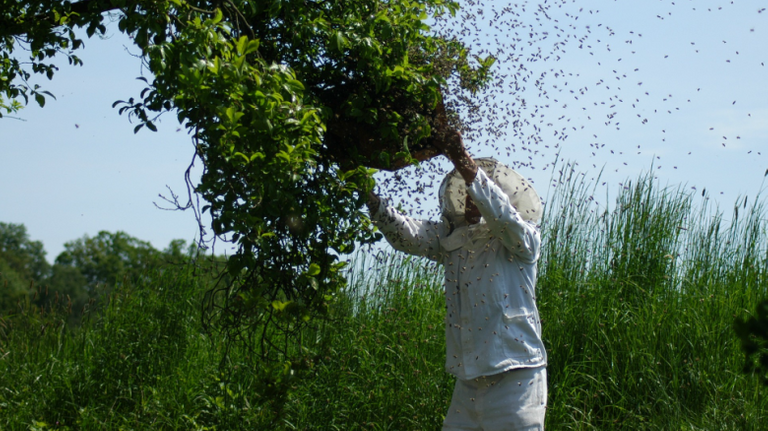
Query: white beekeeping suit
{"x":492,"y":324}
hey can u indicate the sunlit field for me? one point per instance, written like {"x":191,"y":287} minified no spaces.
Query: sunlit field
{"x":638,"y":302}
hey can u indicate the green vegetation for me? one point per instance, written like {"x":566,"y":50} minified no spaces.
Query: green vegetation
{"x":288,"y":103}
{"x":22,"y":263}
{"x":87,"y":269}
{"x":639,"y":304}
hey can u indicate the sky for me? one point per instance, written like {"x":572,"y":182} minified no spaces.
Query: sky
{"x":676,"y":87}
{"x":75,"y":167}
{"x":673,"y":86}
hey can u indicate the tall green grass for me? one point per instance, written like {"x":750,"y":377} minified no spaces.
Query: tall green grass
{"x":384,"y":367}
{"x":638,"y":302}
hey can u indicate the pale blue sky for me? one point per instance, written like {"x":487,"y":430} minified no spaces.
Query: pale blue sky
{"x":75,"y":167}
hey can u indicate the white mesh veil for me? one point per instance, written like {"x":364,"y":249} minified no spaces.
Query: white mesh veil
{"x":521,"y":194}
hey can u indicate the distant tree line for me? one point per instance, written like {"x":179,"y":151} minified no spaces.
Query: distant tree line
{"x":87,"y":269}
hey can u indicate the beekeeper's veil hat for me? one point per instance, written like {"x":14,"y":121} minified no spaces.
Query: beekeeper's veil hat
{"x":521,"y":194}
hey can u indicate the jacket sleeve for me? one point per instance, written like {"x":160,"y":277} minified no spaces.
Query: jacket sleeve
{"x":409,"y":235}
{"x":520,"y":237}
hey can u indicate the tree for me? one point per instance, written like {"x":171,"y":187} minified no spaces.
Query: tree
{"x":23,"y":255}
{"x":290,"y":103}
{"x":13,"y":288}
{"x":26,"y":277}
{"x":109,"y":258}
{"x":22,"y":265}
{"x":89,"y":268}
{"x":86,"y":269}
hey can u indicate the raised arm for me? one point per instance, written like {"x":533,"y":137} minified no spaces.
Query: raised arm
{"x":453,"y":148}
{"x":517,"y":235}
{"x":406,"y":234}
{"x":520,"y":237}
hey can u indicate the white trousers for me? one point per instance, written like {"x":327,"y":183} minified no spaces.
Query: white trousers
{"x":514,"y":400}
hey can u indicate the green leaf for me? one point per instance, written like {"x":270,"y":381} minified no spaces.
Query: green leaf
{"x":253,"y":46}
{"x":242,"y":45}
{"x":233,"y":115}
{"x":214,"y":66}
{"x":40,"y":99}
{"x":295,"y":85}
{"x":314,"y":270}
{"x":382,"y":15}
{"x":280,"y":305}
{"x":338,"y":42}
{"x":218,"y":16}
{"x":313,"y":283}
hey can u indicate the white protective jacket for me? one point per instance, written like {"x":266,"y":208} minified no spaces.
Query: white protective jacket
{"x":492,"y":324}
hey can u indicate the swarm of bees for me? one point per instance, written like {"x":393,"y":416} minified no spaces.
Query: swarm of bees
{"x":609,"y":85}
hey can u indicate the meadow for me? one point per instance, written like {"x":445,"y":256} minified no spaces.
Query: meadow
{"x":638,"y":301}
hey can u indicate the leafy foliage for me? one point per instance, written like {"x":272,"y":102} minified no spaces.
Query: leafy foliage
{"x":109,"y":258}
{"x":43,"y":29}
{"x":24,"y":256}
{"x":22,"y":264}
{"x":289,"y":104}
{"x":87,"y":270}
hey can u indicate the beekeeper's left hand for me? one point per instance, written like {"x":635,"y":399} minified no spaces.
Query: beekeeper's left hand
{"x":452,"y":146}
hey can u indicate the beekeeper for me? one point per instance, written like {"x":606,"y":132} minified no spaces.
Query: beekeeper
{"x":489,"y":243}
